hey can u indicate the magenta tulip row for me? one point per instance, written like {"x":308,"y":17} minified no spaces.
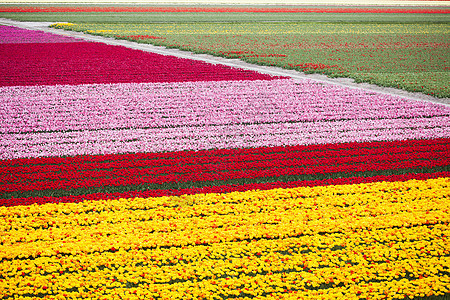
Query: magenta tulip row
{"x":38,"y":64}
{"x":14,"y":35}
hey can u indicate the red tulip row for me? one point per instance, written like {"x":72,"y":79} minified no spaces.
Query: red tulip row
{"x":24,"y":165}
{"x":214,"y":168}
{"x":218,"y":189}
{"x":274,"y":169}
{"x":206,"y":164}
{"x":84,"y":62}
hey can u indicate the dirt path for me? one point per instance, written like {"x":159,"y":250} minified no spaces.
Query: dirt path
{"x":347,"y":82}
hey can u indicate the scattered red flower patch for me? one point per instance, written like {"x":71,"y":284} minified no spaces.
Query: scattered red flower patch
{"x":140,"y":37}
{"x":308,"y":66}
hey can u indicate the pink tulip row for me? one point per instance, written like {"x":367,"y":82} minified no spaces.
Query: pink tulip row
{"x":14,"y":35}
{"x":21,"y":145}
{"x":153,"y":105}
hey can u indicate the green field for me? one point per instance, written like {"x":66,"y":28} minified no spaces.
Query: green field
{"x":130,"y":17}
{"x":139,"y":16}
{"x":411,"y":56}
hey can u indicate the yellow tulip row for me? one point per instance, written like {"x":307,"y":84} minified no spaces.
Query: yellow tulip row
{"x":385,"y":243}
{"x":332,"y":239}
{"x":376,"y":290}
{"x":362,"y":200}
{"x":180,"y":221}
{"x":302,"y":196}
{"x":328,"y":281}
{"x":351,"y":262}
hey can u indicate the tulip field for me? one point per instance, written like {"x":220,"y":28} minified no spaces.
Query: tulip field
{"x":128,"y":174}
{"x":409,"y":56}
{"x":237,"y":13}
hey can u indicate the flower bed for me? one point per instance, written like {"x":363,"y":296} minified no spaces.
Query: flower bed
{"x":120,"y":118}
{"x":76,"y":63}
{"x":176,"y":179}
{"x":350,"y":241}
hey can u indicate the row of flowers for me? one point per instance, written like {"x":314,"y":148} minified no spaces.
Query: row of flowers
{"x":147,"y":180}
{"x":179,"y":189}
{"x":14,"y":35}
{"x":224,"y":169}
{"x":70,"y":163}
{"x":255,"y":208}
{"x":152,"y":105}
{"x":256,"y":273}
{"x":132,"y":140}
{"x":42,"y":169}
{"x":428,"y":286}
{"x":299,"y":32}
{"x":357,"y":240}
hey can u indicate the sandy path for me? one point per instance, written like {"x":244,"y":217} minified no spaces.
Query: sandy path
{"x":43,"y":26}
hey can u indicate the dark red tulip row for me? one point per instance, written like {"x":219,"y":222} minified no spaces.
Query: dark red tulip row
{"x":84,"y":62}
